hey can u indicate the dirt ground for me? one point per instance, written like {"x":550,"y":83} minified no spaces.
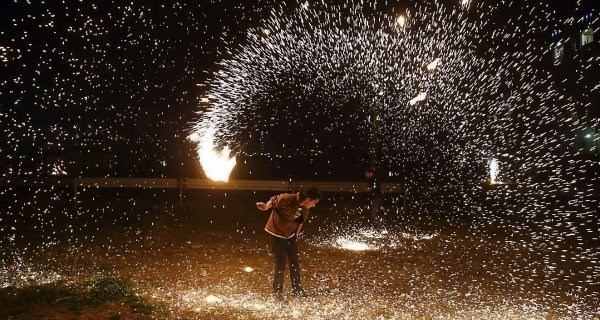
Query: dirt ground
{"x":210,"y":260}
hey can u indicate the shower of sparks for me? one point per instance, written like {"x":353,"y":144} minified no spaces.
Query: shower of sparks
{"x":331,"y":307}
{"x":428,"y":92}
{"x":368,"y":239}
{"x":330,"y":68}
{"x":313,"y":62}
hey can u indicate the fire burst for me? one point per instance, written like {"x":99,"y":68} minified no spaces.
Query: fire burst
{"x":217,"y":165}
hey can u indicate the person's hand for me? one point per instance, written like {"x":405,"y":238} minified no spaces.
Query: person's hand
{"x":262,"y":206}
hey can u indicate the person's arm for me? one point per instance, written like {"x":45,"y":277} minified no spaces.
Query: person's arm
{"x":266,"y":206}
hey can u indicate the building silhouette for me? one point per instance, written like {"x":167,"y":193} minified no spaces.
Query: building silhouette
{"x":574,"y":59}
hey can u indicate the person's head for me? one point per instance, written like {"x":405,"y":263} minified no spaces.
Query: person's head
{"x":309,"y":197}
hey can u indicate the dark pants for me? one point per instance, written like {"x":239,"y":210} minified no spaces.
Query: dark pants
{"x":285,"y":250}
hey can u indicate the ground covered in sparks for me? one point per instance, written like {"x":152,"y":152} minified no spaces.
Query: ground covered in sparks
{"x":209,"y":259}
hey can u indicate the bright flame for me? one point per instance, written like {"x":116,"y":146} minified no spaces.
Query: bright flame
{"x":493,"y":166}
{"x":216,"y":165}
{"x":465,"y":3}
{"x":352,"y":245}
{"x":433,"y":65}
{"x":248,"y":269}
{"x":418,"y":98}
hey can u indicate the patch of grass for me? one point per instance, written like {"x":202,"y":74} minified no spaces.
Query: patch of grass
{"x":109,"y":289}
{"x":74,"y":299}
{"x":139,"y":305}
{"x":15,"y":301}
{"x":115,"y":317}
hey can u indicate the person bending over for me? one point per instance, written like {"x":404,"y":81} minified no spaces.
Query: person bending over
{"x":288,"y":213}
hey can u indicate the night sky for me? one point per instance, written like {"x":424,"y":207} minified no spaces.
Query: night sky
{"x":113,"y":89}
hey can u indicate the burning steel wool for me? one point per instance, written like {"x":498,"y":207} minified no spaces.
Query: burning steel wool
{"x":217,"y":165}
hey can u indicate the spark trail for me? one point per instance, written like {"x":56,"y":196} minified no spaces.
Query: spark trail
{"x":441,"y":89}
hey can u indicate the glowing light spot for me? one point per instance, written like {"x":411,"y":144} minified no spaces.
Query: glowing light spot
{"x":248,"y":269}
{"x":401,"y":21}
{"x":352,"y":244}
{"x":258,"y":306}
{"x":212,"y":299}
{"x":433,"y":65}
{"x":493,"y":170}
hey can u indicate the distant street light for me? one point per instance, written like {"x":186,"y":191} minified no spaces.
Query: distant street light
{"x":401,"y":21}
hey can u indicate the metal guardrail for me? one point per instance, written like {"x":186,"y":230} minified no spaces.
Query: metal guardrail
{"x":184,"y":183}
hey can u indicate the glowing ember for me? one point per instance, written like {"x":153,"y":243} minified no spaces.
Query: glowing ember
{"x":216,"y":165}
